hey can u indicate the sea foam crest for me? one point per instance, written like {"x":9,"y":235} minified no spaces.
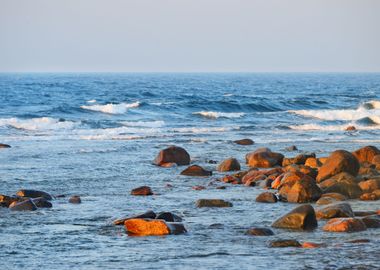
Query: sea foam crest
{"x":37,"y":124}
{"x":152,"y":124}
{"x":112,"y":108}
{"x":216,"y":115}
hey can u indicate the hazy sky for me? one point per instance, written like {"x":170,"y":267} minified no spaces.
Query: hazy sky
{"x":190,"y":35}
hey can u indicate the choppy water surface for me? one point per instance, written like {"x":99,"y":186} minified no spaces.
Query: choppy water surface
{"x":95,"y":135}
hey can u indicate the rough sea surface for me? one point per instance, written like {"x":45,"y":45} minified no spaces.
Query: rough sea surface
{"x":95,"y":135}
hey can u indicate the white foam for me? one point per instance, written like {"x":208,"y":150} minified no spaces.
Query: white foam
{"x":196,"y":130}
{"x":316,"y":127}
{"x":91,"y":101}
{"x":215,"y":115}
{"x":111,"y":108}
{"x":153,"y":124}
{"x":37,"y":124}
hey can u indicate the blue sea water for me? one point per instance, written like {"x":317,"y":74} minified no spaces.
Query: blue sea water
{"x":96,"y":135}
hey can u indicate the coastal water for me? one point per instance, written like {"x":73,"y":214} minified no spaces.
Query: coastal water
{"x":95,"y":135}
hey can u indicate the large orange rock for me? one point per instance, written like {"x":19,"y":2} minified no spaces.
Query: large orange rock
{"x":335,"y":210}
{"x":339,"y":161}
{"x":172,"y":154}
{"x":264,"y":158}
{"x":301,"y":218}
{"x":366,"y":153}
{"x":312,"y":172}
{"x":376,"y":161}
{"x":146,"y":227}
{"x":195,"y":170}
{"x":370,"y":185}
{"x":344,"y":225}
{"x":329,"y":198}
{"x":313,"y":162}
{"x":266,"y":197}
{"x":231,"y":164}
{"x":142,"y":191}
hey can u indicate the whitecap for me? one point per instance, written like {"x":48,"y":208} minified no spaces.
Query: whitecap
{"x":153,"y":124}
{"x":197,"y":130}
{"x":38,"y":124}
{"x":216,"y":115}
{"x":91,"y":101}
{"x":112,"y":108}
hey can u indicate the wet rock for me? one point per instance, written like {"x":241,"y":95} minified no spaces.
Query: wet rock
{"x":231,"y":164}
{"x":311,"y":245}
{"x":173,"y":154}
{"x":364,"y":213}
{"x":147,"y":227}
{"x":259,"y":231}
{"x":264,"y":158}
{"x":302,"y":217}
{"x":366,"y":154}
{"x":244,"y":142}
{"x":313,"y":162}
{"x":330,"y":198}
{"x":148,"y":215}
{"x":291,"y":148}
{"x":168,"y":165}
{"x":359,"y":241}
{"x":339,"y":161}
{"x":350,"y":128}
{"x":198,"y":187}
{"x":334,"y":210}
{"x":342,"y":183}
{"x":41,"y":202}
{"x":376,"y":161}
{"x":26,"y":205}
{"x":369,"y":185}
{"x":213,"y":203}
{"x":285,"y":243}
{"x":142,"y":191}
{"x":266,"y":197}
{"x":344,"y":225}
{"x":168,"y":216}
{"x":372,"y":221}
{"x":231,"y":179}
{"x":368,"y":197}
{"x":5,"y":200}
{"x":196,"y":170}
{"x":3,"y":145}
{"x":30,"y":193}
{"x":312,"y":172}
{"x":368,"y":172}
{"x":221,"y":187}
{"x":75,"y":199}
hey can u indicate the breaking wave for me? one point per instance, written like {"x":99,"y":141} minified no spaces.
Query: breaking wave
{"x":38,"y":124}
{"x":216,"y":115}
{"x":111,"y":108}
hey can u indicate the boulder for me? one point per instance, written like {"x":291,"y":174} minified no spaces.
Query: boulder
{"x":41,"y":202}
{"x":364,"y":213}
{"x":372,"y":221}
{"x":213,"y":203}
{"x":311,"y":245}
{"x":376,"y":161}
{"x":266,"y":197}
{"x":27,"y":205}
{"x":147,"y":215}
{"x":168,"y":216}
{"x":339,"y":161}
{"x":3,"y":145}
{"x":342,"y":183}
{"x":75,"y":199}
{"x":5,"y":200}
{"x":231,"y":179}
{"x":231,"y":164}
{"x":256,"y":231}
{"x":334,"y":210}
{"x":345,"y":225}
{"x":329,"y":198}
{"x":244,"y":142}
{"x":368,"y":197}
{"x":142,"y":191}
{"x":195,"y":170}
{"x":173,"y":154}
{"x":30,"y":193}
{"x":312,"y":172}
{"x":291,"y":148}
{"x":264,"y":158}
{"x":298,"y":160}
{"x":369,"y":185}
{"x":147,"y":227}
{"x":350,"y":128}
{"x":302,"y":218}
{"x":313,"y":162}
{"x":285,"y":243}
{"x":366,"y":154}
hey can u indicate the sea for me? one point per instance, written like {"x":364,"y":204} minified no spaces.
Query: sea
{"x":96,"y":134}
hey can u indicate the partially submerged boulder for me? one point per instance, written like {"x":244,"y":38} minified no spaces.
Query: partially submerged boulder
{"x":5,"y":200}
{"x":213,"y":203}
{"x":142,"y":191}
{"x":3,"y":145}
{"x":172,"y":154}
{"x":334,"y":210}
{"x":264,"y":158}
{"x":27,"y":205}
{"x":148,"y":227}
{"x":301,"y":218}
{"x":168,"y":216}
{"x":41,"y":202}
{"x":231,"y":164}
{"x":372,"y":221}
{"x":345,"y":225}
{"x":75,"y":199}
{"x":244,"y":142}
{"x":195,"y":170}
{"x":366,"y":154}
{"x":257,"y":231}
{"x":147,"y":215}
{"x":30,"y":193}
{"x":266,"y":197}
{"x":285,"y":243}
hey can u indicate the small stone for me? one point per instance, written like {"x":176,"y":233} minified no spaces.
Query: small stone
{"x":142,"y":191}
{"x":266,"y":197}
{"x":260,"y":232}
{"x":311,"y":245}
{"x":244,"y":142}
{"x":291,"y":148}
{"x":231,"y":164}
{"x":3,"y":145}
{"x":198,"y":187}
{"x":213,"y":203}
{"x":350,"y":128}
{"x":75,"y":199}
{"x":285,"y":243}
{"x":196,"y":170}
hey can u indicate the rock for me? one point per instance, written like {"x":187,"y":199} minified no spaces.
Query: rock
{"x":291,"y":148}
{"x":266,"y":183}
{"x":376,"y":161}
{"x":369,"y":185}
{"x":173,"y":154}
{"x":372,"y":221}
{"x":266,"y":197}
{"x":350,"y":128}
{"x":334,"y":210}
{"x":231,"y":179}
{"x":368,"y":172}
{"x":29,"y":193}
{"x":5,"y":200}
{"x":368,"y":197}
{"x":170,"y":217}
{"x":26,"y":205}
{"x":312,"y":172}
{"x":285,"y":243}
{"x":244,"y":142}
{"x":359,"y":241}
{"x":3,"y":145}
{"x":75,"y":199}
{"x":311,"y":245}
{"x":299,"y":159}
{"x":198,"y":187}
{"x":344,"y":225}
{"x":329,"y":198}
{"x":342,"y":183}
{"x":302,"y":217}
{"x":168,"y":165}
{"x":264,"y":158}
{"x":313,"y":162}
{"x":366,"y":154}
{"x":221,"y":187}
{"x":195,"y":170}
{"x":146,"y":227}
{"x":147,"y":215}
{"x":213,"y":203}
{"x":299,"y":188}
{"x":260,"y":231}
{"x":231,"y":164}
{"x":339,"y":161}
{"x":41,"y":202}
{"x":142,"y":191}
{"x":364,"y":213}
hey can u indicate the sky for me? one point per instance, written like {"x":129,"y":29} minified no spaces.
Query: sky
{"x":190,"y":36}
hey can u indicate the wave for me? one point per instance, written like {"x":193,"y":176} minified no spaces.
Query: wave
{"x":91,"y":101}
{"x":216,"y":115}
{"x":112,"y":108}
{"x":317,"y":127}
{"x":198,"y":130}
{"x":38,"y":124}
{"x":153,"y":124}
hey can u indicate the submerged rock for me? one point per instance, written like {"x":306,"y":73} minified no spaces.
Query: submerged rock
{"x":372,"y":221}
{"x":173,"y":154}
{"x":266,"y":197}
{"x":231,"y":164}
{"x":5,"y":200}
{"x":41,"y":202}
{"x":75,"y":199}
{"x":213,"y":203}
{"x":30,"y":193}
{"x":285,"y":243}
{"x":195,"y":170}
{"x":244,"y":142}
{"x":148,"y":227}
{"x":344,"y":225}
{"x":27,"y":205}
{"x":264,"y":158}
{"x":302,"y":218}
{"x":259,"y":231}
{"x":142,"y":191}
{"x":3,"y":145}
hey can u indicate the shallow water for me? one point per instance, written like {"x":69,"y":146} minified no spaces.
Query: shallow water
{"x":96,"y":135}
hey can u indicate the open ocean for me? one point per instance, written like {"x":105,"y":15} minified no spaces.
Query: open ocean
{"x":96,"y":135}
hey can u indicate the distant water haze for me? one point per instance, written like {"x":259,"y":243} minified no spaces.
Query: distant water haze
{"x":189,"y":35}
